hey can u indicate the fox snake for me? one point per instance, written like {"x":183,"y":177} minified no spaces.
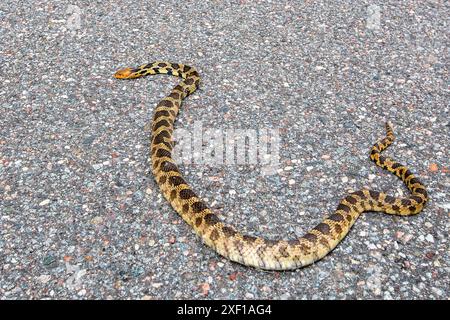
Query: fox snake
{"x":246,"y":249}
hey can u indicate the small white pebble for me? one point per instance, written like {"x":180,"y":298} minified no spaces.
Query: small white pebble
{"x":444,"y":205}
{"x":44,"y":278}
{"x":344,"y":179}
{"x":437,"y":291}
{"x":407,"y":237}
{"x":45,"y":202}
{"x":97,"y":220}
{"x":399,"y":234}
{"x":429,"y":238}
{"x":288,"y":168}
{"x":309,"y":168}
{"x":291,"y":181}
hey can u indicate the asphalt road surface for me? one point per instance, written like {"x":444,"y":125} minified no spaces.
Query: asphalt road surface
{"x":81,"y":216}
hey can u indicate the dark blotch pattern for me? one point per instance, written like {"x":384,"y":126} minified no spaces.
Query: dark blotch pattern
{"x":374,"y":194}
{"x":174,"y":95}
{"x":310,"y":237}
{"x":162,"y":180}
{"x":161,"y":123}
{"x":294,"y":242}
{"x":407,"y":173}
{"x":396,"y":165}
{"x":336,"y":216}
{"x":161,"y":113}
{"x":186,"y":194}
{"x":228,"y":232}
{"x":198,"y":206}
{"x":359,"y":194}
{"x":214,"y":235}
{"x":163,"y":153}
{"x":406,"y":202}
{"x":343,"y":207}
{"x":159,"y":138}
{"x":421,"y":191}
{"x":350,"y":199}
{"x":323,"y":228}
{"x":165,"y":103}
{"x":283,"y":251}
{"x":324,"y":242}
{"x":249,"y":239}
{"x":211,"y":219}
{"x":167,"y":166}
{"x":176,"y":181}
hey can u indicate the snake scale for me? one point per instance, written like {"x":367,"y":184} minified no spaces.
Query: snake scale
{"x":246,"y":249}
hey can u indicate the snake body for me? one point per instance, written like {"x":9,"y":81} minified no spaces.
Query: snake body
{"x":246,"y":249}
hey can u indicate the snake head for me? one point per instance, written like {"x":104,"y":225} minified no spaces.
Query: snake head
{"x":126,"y":73}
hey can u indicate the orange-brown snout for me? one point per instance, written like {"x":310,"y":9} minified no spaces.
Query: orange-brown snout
{"x":123,"y":73}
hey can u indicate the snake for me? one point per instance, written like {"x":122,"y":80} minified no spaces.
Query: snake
{"x":226,"y":240}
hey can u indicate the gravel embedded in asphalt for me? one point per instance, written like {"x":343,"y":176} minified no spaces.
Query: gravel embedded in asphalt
{"x":81,"y":216}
